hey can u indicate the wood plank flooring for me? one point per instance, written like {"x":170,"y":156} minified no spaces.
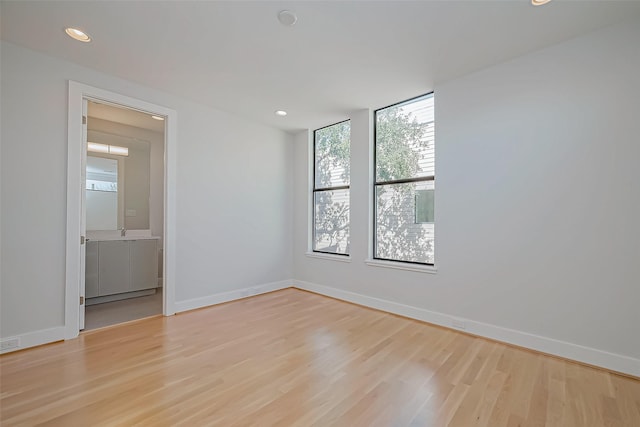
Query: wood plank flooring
{"x":292,"y":358}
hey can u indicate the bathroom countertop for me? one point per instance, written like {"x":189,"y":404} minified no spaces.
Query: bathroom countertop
{"x":109,"y":238}
{"x":109,"y":235}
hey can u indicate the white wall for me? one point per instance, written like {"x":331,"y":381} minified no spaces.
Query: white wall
{"x":537,"y":205}
{"x":233,"y":193}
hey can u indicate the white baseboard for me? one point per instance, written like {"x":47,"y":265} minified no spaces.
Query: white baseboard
{"x":46,"y":336}
{"x":194,"y":303}
{"x":615,"y":362}
{"x":32,"y":339}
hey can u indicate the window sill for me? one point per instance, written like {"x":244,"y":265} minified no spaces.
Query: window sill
{"x":402,"y":266}
{"x":340,"y":258}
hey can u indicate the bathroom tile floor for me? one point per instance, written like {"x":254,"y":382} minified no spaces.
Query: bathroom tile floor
{"x":112,"y":313}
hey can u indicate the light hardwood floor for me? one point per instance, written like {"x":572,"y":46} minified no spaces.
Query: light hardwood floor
{"x":292,"y":358}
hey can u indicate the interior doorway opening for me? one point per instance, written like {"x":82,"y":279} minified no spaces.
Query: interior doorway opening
{"x":123,"y":198}
{"x":120,"y":207}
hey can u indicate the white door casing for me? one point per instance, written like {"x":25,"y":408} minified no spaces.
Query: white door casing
{"x":76,"y":170}
{"x":83,"y":214}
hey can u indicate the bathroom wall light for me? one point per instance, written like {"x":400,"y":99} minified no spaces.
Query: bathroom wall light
{"x":107,"y":149}
{"x":97,"y":148}
{"x":157,"y":117}
{"x":120,"y":151}
{"x":539,"y":2}
{"x":77,"y":34}
{"x":281,"y":113}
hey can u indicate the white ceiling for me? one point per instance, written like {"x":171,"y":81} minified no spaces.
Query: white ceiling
{"x":340,"y":56}
{"x":125,"y":116}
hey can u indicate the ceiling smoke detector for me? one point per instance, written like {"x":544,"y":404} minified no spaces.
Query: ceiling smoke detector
{"x":287,"y":18}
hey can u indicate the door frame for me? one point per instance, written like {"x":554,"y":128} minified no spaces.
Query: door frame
{"x":75,"y":155}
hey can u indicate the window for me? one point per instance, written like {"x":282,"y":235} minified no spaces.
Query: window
{"x":405,"y":182}
{"x":102,"y":174}
{"x":331,"y":147}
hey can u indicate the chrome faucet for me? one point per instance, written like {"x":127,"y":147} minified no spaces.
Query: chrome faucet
{"x":123,"y":232}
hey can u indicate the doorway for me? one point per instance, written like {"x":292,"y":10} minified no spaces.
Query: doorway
{"x":123,"y":215}
{"x":140,"y":245}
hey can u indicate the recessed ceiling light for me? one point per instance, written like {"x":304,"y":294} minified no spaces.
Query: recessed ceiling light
{"x":77,"y":34}
{"x":287,"y":18}
{"x":539,"y":2}
{"x":157,"y":117}
{"x":281,"y":113}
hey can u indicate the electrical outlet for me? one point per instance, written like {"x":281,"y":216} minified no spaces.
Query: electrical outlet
{"x":9,"y":344}
{"x":459,"y":324}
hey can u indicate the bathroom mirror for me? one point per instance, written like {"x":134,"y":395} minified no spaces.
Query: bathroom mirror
{"x":102,"y":193}
{"x":117,"y":182}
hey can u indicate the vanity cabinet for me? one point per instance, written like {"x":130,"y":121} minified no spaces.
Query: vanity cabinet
{"x":119,"y":266}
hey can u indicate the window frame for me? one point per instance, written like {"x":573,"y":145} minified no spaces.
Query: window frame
{"x":377,"y":183}
{"x":315,"y":190}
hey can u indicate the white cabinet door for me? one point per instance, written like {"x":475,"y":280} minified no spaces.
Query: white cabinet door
{"x":91,"y":270}
{"x":144,"y":264}
{"x":114,"y":270}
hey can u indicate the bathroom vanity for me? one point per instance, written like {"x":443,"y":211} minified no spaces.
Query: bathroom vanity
{"x":119,"y":267}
